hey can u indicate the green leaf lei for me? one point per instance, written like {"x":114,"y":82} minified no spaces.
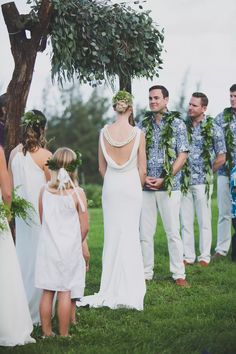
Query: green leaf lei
{"x":229,"y":139}
{"x":165,"y":144}
{"x":207,"y":135}
{"x":71,"y":167}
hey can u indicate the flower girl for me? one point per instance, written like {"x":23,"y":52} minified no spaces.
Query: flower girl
{"x":60,"y":266}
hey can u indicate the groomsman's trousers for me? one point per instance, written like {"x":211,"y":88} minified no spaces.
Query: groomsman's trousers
{"x":169,"y":208}
{"x":224,"y":218}
{"x":196,"y":199}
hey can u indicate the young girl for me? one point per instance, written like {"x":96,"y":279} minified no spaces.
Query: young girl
{"x":60,"y":266}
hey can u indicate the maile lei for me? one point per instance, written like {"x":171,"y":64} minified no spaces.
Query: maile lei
{"x":229,"y":139}
{"x":165,"y":143}
{"x":207,"y":137}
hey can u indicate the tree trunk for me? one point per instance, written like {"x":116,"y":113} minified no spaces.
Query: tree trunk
{"x":24,"y":51}
{"x":125,"y":83}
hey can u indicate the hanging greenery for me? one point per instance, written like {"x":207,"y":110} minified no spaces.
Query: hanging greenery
{"x":94,"y":41}
{"x":207,"y":137}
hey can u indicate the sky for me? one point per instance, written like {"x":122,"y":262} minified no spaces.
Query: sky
{"x":199,"y":50}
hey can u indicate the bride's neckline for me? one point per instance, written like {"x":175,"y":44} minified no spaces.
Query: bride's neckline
{"x":117,"y":143}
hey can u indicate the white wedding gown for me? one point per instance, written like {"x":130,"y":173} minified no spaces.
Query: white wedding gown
{"x":30,"y":177}
{"x":122,"y":281}
{"x":15,"y":320}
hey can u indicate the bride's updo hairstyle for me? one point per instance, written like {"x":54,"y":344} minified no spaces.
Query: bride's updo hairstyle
{"x":34,"y":123}
{"x":67,"y":159}
{"x":121,"y":102}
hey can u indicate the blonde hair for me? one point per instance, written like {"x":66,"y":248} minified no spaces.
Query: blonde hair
{"x":63,"y":156}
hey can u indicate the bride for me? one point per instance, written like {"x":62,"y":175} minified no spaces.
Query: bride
{"x":122,"y":164}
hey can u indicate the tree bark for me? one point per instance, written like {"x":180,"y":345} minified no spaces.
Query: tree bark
{"x":125,"y":83}
{"x":24,"y":51}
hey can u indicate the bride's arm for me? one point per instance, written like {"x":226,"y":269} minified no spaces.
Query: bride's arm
{"x":102,"y":165}
{"x":142,"y":159}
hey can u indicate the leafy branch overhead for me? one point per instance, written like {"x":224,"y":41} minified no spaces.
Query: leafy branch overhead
{"x":94,"y":40}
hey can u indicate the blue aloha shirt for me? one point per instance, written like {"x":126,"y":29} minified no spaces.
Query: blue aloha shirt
{"x":233,"y":194}
{"x":156,"y":154}
{"x":196,"y":161}
{"x":219,"y":119}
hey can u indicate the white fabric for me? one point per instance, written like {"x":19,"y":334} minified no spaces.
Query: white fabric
{"x":15,"y":320}
{"x":196,"y":199}
{"x":224,"y":218}
{"x":64,"y":178}
{"x":30,"y":177}
{"x":169,"y":207}
{"x":60,"y":265}
{"x":122,"y":281}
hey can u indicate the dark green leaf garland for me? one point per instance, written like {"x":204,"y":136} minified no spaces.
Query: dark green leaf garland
{"x":71,"y":167}
{"x":147,"y":123}
{"x":229,"y":139}
{"x":165,"y":144}
{"x":207,"y":135}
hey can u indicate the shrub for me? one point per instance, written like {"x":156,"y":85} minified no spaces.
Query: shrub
{"x":94,"y":195}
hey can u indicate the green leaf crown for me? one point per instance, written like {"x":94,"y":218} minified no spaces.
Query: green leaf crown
{"x":30,"y":119}
{"x":123,"y":96}
{"x":54,"y":165}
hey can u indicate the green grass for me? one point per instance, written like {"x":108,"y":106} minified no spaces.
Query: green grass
{"x":197,"y":320}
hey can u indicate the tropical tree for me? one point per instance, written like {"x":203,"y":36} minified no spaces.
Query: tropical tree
{"x":91,"y":40}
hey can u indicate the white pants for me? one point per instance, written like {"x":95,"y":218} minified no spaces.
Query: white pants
{"x":196,"y":199}
{"x":224,"y":218}
{"x":169,"y":207}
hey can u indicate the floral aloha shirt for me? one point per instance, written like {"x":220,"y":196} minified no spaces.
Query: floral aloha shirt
{"x":219,"y":119}
{"x":156,"y":154}
{"x":233,"y":193}
{"x":196,"y":162}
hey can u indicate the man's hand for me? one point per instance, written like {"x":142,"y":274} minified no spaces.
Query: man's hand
{"x":154,"y":183}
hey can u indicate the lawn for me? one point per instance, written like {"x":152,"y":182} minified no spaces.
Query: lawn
{"x":198,"y":320}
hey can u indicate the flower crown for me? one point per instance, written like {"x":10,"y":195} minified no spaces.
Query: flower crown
{"x":53,"y":164}
{"x":123,"y":96}
{"x":30,"y":118}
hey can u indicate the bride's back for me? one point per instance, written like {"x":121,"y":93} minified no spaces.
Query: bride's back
{"x":119,"y":141}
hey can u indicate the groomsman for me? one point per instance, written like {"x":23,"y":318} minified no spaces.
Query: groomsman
{"x":227,"y":121}
{"x":206,"y":140}
{"x":167,"y":150}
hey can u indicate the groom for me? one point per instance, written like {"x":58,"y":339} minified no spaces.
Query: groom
{"x":167,"y":149}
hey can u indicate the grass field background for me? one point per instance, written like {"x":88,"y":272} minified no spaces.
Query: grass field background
{"x":198,"y":320}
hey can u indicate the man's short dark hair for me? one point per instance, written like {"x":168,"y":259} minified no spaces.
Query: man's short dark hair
{"x":204,"y":98}
{"x":164,"y":90}
{"x":233,"y":88}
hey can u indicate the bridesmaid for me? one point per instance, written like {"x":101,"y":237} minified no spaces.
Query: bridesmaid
{"x":15,"y":321}
{"x":27,"y":167}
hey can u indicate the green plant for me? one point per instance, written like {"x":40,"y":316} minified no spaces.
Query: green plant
{"x":94,"y":195}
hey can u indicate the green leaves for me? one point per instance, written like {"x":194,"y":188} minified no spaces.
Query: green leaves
{"x":93,"y":39}
{"x":229,"y":139}
{"x":20,"y":208}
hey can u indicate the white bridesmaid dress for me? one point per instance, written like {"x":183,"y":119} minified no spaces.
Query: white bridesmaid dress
{"x":15,"y":321}
{"x":122,"y":282}
{"x":60,"y":264}
{"x":30,"y":178}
